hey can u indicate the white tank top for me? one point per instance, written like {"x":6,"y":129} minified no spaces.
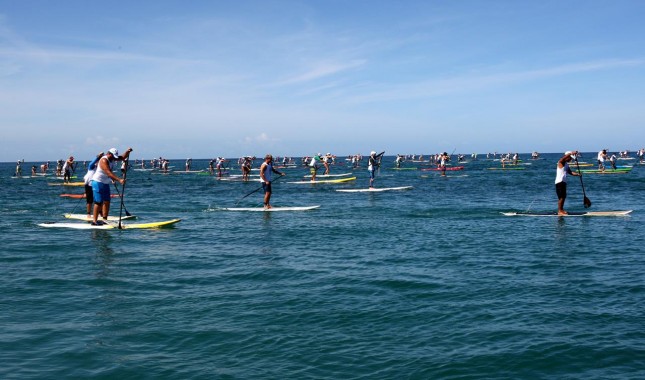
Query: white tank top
{"x":561,"y":173}
{"x":100,"y":175}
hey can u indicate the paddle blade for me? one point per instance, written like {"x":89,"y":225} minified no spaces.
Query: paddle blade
{"x":587,"y":202}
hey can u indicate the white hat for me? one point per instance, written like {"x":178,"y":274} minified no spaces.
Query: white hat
{"x":114,"y":152}
{"x":372,"y":152}
{"x":567,"y":152}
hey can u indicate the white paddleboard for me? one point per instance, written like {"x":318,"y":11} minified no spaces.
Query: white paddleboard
{"x":340,"y":180}
{"x":329,"y":175}
{"x":111,"y":218}
{"x":110,"y":225}
{"x":272,"y":209}
{"x":588,"y":213}
{"x":374,"y":189}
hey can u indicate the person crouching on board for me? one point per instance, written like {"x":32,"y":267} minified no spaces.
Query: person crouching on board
{"x":266,"y":175}
{"x":101,"y":181}
{"x":562,"y":171}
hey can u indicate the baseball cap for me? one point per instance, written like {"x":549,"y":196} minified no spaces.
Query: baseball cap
{"x":114,"y":152}
{"x":372,"y":152}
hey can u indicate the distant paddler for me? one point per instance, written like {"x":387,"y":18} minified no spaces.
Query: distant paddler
{"x":398,"y":161}
{"x":612,"y":161}
{"x":101,"y":181}
{"x":443,"y":161}
{"x":68,"y":167}
{"x":373,"y":164}
{"x":219,"y":165}
{"x":313,"y":165}
{"x":602,"y":157}
{"x":327,"y":160}
{"x":246,"y":163}
{"x":19,"y":169}
{"x":562,"y":171}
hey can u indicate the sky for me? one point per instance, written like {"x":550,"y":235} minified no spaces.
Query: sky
{"x":201,"y":79}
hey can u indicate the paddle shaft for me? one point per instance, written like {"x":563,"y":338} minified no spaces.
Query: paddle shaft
{"x":122,"y":195}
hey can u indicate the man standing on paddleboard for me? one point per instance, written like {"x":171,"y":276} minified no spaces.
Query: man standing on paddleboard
{"x":266,"y":176}
{"x":313,"y":165}
{"x":443,"y":161}
{"x":602,"y":156}
{"x":562,"y":171}
{"x":372,"y":164}
{"x":101,"y":181}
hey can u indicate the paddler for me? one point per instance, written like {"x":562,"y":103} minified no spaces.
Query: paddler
{"x":266,"y":176}
{"x":89,"y":193}
{"x":562,"y":171}
{"x":101,"y":181}
{"x":602,"y":157}
{"x":612,"y":161}
{"x":398,"y":161}
{"x":313,"y":165}
{"x":443,"y":161}
{"x":327,"y":159}
{"x":19,"y":169}
{"x":68,"y":167}
{"x":372,"y":164}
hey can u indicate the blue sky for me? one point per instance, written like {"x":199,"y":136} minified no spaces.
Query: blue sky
{"x":202,"y":79}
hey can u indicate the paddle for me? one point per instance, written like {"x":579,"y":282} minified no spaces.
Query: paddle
{"x":585,"y":200}
{"x":256,"y":190}
{"x":123,"y":205}
{"x":122,"y":195}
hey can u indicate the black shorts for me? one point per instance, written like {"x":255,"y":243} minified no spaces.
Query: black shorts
{"x":561,"y":190}
{"x":89,"y":194}
{"x":266,"y":186}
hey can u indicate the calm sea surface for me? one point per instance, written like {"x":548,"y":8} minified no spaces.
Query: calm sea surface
{"x":429,"y":283}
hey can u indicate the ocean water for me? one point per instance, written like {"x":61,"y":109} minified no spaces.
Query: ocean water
{"x":428,"y":283}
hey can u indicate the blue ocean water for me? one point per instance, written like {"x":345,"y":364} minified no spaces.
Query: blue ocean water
{"x":428,"y":283}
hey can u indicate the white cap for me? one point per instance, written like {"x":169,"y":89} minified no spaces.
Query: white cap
{"x":567,"y":152}
{"x":114,"y":152}
{"x":372,"y":152}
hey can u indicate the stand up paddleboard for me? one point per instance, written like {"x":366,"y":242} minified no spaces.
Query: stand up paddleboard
{"x":606,"y":171}
{"x":110,"y":226}
{"x":374,"y":189}
{"x":554,"y":213}
{"x":329,"y":175}
{"x":84,"y":217}
{"x":66,"y":184}
{"x":448,"y":169}
{"x":81,"y":196}
{"x":272,"y":209}
{"x":340,"y":180}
